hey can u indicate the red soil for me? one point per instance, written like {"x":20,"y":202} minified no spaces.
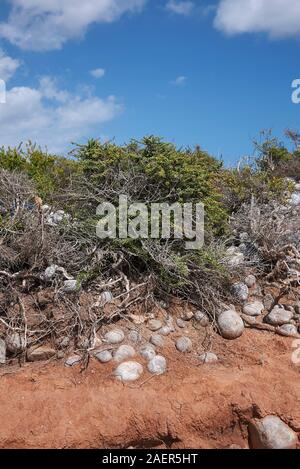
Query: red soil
{"x":51,"y":406}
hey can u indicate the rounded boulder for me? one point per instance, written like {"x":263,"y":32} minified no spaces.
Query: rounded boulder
{"x":231,"y":325}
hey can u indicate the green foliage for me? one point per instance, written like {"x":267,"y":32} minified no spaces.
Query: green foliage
{"x":270,"y":152}
{"x":49,"y":173}
{"x":176,"y":175}
{"x":263,"y":177}
{"x":240,"y":186}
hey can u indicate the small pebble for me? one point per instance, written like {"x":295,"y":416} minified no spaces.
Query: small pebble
{"x":202,"y":318}
{"x":123,"y":353}
{"x":115,"y":336}
{"x":253,"y":309}
{"x":208,"y":357}
{"x":184,"y":344}
{"x":70,"y":286}
{"x":157,"y":340}
{"x":73,"y":360}
{"x":104,"y":356}
{"x":250,"y":281}
{"x":104,"y":298}
{"x":154,"y":325}
{"x":157,"y":365}
{"x":134,"y":336}
{"x":279,"y":316}
{"x":147,"y":351}
{"x":128,"y":371}
{"x":180,"y":323}
{"x":50,"y":272}
{"x":15,"y":342}
{"x":240,"y":291}
{"x":288,"y":330}
{"x":165,"y":330}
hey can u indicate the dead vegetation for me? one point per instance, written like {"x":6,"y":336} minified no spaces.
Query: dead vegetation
{"x":114,"y":280}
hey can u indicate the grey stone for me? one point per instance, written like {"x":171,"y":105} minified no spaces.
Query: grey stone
{"x":104,"y":356}
{"x":295,"y":199}
{"x":134,"y":336}
{"x":240,"y":291}
{"x":279,"y":316}
{"x":184,"y":344}
{"x":231,"y":325}
{"x":157,"y":340}
{"x":54,"y":218}
{"x":165,"y":330}
{"x":288,"y":330}
{"x":115,"y":336}
{"x":202,"y":318}
{"x":50,"y":272}
{"x":15,"y":342}
{"x":2,"y":352}
{"x":154,"y":325}
{"x":70,"y":286}
{"x":250,"y":281}
{"x":104,"y":298}
{"x":147,"y":351}
{"x":124,"y":352}
{"x":73,"y":360}
{"x":271,"y":433}
{"x":180,"y":323}
{"x":157,"y":365}
{"x":253,"y":309}
{"x":129,"y":371}
{"x":208,"y":357}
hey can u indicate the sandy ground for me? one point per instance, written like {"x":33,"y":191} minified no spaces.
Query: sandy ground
{"x":46,"y":405}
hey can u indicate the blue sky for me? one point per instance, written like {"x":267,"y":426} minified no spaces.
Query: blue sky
{"x":206,"y":72}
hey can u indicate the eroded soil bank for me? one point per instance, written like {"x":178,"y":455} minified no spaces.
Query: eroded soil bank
{"x":46,"y":405}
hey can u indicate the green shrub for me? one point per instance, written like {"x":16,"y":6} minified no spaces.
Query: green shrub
{"x":50,"y":173}
{"x":174,"y":175}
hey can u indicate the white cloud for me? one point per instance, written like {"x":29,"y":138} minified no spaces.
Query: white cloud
{"x":8,"y":66}
{"x":180,"y":7}
{"x":179,"y":81}
{"x":52,"y":117}
{"x":278,"y":18}
{"x":48,"y":24}
{"x":98,"y":72}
